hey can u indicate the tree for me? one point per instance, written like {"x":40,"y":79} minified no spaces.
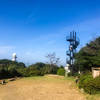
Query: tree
{"x":53,"y":60}
{"x":88,"y":56}
{"x":52,"y":66}
{"x":61,"y":71}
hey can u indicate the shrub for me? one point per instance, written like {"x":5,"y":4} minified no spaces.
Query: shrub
{"x":14,"y":73}
{"x":83,"y":79}
{"x":73,"y":74}
{"x":10,"y":69}
{"x":61,"y":72}
{"x":4,"y":73}
{"x":90,"y":85}
{"x":69,"y":74}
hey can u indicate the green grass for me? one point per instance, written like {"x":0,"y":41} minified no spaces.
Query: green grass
{"x":93,"y":97}
{"x":33,"y":77}
{"x":70,"y":78}
{"x":50,"y":79}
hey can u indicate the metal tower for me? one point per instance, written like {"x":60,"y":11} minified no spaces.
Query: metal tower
{"x":73,"y":44}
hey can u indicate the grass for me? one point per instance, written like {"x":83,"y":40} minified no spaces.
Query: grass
{"x":93,"y":97}
{"x":50,"y":78}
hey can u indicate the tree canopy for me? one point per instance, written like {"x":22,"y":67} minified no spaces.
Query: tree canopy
{"x":10,"y":69}
{"x":88,"y":56}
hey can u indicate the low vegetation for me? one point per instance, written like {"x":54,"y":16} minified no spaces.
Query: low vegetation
{"x":90,"y":85}
{"x":61,"y":71}
{"x":9,"y":69}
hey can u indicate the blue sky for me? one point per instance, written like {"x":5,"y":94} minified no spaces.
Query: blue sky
{"x":34,"y":28}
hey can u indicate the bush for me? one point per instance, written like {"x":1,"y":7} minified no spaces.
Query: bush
{"x":90,"y":85}
{"x":84,"y":79}
{"x":73,"y":74}
{"x":10,"y":69}
{"x":69,"y":74}
{"x":4,"y":74}
{"x":33,"y":72}
{"x":61,"y":72}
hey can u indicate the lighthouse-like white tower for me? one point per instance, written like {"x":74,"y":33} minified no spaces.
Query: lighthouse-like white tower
{"x":14,"y":57}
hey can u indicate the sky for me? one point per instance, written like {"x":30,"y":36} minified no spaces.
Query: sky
{"x":34,"y":28}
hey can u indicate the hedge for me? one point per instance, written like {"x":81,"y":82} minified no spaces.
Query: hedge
{"x":90,"y":85}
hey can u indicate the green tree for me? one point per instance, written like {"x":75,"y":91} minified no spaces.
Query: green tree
{"x":61,"y":71}
{"x":88,"y":56}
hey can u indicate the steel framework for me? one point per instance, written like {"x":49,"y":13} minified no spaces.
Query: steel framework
{"x":73,"y":44}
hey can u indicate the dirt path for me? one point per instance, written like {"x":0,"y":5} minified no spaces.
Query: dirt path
{"x":42,"y":88}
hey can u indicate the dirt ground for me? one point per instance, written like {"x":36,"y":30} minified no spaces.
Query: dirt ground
{"x":41,"y":88}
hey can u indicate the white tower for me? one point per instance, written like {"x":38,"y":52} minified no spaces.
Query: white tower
{"x":14,"y":57}
{"x":67,"y":69}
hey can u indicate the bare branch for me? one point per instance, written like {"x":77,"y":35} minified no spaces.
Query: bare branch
{"x":52,"y":58}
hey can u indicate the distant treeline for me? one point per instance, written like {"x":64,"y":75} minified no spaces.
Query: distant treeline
{"x":9,"y":69}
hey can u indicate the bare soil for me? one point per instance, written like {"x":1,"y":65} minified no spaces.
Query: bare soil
{"x":49,"y":87}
